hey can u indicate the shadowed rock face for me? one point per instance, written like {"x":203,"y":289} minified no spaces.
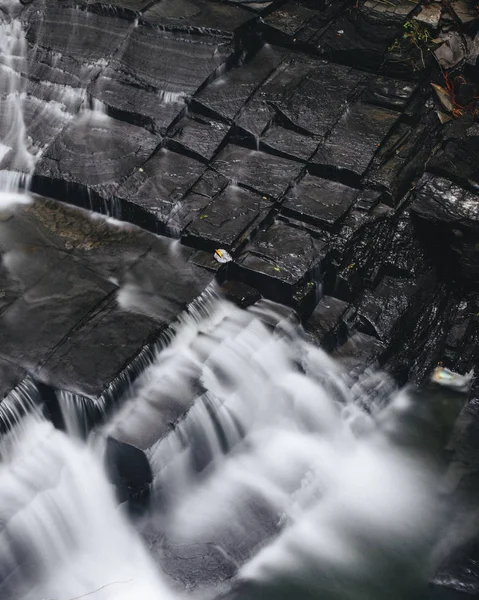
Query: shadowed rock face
{"x":298,"y":135}
{"x":87,"y":288}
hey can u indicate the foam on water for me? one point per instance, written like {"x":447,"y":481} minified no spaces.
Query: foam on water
{"x":275,"y":421}
{"x":63,"y":535}
{"x":267,"y":431}
{"x":13,"y":67}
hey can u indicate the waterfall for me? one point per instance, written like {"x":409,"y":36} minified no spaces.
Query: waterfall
{"x":277,"y":460}
{"x":16,"y":159}
{"x":62,"y":534}
{"x":260,"y":450}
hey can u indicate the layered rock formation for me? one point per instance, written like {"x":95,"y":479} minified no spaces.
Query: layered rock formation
{"x":302,"y":137}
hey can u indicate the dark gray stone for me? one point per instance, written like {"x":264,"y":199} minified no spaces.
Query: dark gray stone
{"x":241,"y":294}
{"x":320,"y":201}
{"x":380,"y":309}
{"x":199,"y":135}
{"x":228,"y":94}
{"x":144,"y":90}
{"x":389,"y":93}
{"x":438,"y":199}
{"x":279,"y":258}
{"x":129,"y":470}
{"x":363,"y":33}
{"x":215,"y":17}
{"x":450,"y":215}
{"x":291,"y":17}
{"x":52,"y":308}
{"x":267,"y":174}
{"x":112,"y":336}
{"x":155,"y":193}
{"x":71,"y":55}
{"x":458,"y":156}
{"x":356,"y":138}
{"x":311,"y":94}
{"x":289,"y":142}
{"x":322,"y":325}
{"x":228,"y":219}
{"x":94,"y":152}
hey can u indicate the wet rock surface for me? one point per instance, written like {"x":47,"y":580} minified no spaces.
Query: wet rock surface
{"x":302,"y":137}
{"x":87,"y":287}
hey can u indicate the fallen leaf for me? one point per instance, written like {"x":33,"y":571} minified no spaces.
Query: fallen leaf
{"x":443,"y":117}
{"x":443,"y":96}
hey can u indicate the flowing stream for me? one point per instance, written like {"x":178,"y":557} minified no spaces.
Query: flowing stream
{"x":274,"y":474}
{"x":275,"y":470}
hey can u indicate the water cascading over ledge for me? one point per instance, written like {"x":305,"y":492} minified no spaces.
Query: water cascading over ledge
{"x":223,"y":125}
{"x":252,"y":478}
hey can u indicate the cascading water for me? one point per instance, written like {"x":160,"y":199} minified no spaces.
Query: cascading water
{"x":263,"y":461}
{"x":62,"y":534}
{"x":15,"y":154}
{"x":271,"y":467}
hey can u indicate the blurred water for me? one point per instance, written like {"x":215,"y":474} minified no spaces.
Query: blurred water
{"x":276,"y":433}
{"x":62,"y":534}
{"x":14,"y":146}
{"x":266,"y":457}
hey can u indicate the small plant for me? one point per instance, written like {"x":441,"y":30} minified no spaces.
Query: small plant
{"x":418,"y":35}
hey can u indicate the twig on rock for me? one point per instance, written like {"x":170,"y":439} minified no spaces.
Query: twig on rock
{"x":99,"y":589}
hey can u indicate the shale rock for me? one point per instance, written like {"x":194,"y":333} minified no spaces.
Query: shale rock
{"x":299,"y":136}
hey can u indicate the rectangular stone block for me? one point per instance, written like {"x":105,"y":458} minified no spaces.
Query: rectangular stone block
{"x":356,"y":138}
{"x":268,"y":174}
{"x":228,"y":219}
{"x":319,"y":201}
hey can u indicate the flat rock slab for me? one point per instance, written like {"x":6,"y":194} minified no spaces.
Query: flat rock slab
{"x":225,"y":96}
{"x":95,"y":152}
{"x":320,"y":201}
{"x":289,"y":142}
{"x":92,"y":291}
{"x":228,"y":219}
{"x":267,"y":174}
{"x":112,"y":336}
{"x":279,"y":258}
{"x":66,"y":47}
{"x":362,"y":35}
{"x":356,"y":138}
{"x":52,"y":307}
{"x":139,"y":86}
{"x":199,"y":135}
{"x":311,"y":94}
{"x":156,"y":191}
{"x":223,"y":19}
{"x":438,"y":199}
{"x":292,"y":17}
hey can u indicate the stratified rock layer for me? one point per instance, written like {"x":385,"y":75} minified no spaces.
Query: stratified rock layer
{"x":299,"y":136}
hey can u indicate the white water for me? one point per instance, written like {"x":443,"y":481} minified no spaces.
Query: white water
{"x":277,"y":425}
{"x":14,"y":148}
{"x":19,"y":152}
{"x":274,"y":427}
{"x":63,"y":534}
{"x":271,"y":461}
